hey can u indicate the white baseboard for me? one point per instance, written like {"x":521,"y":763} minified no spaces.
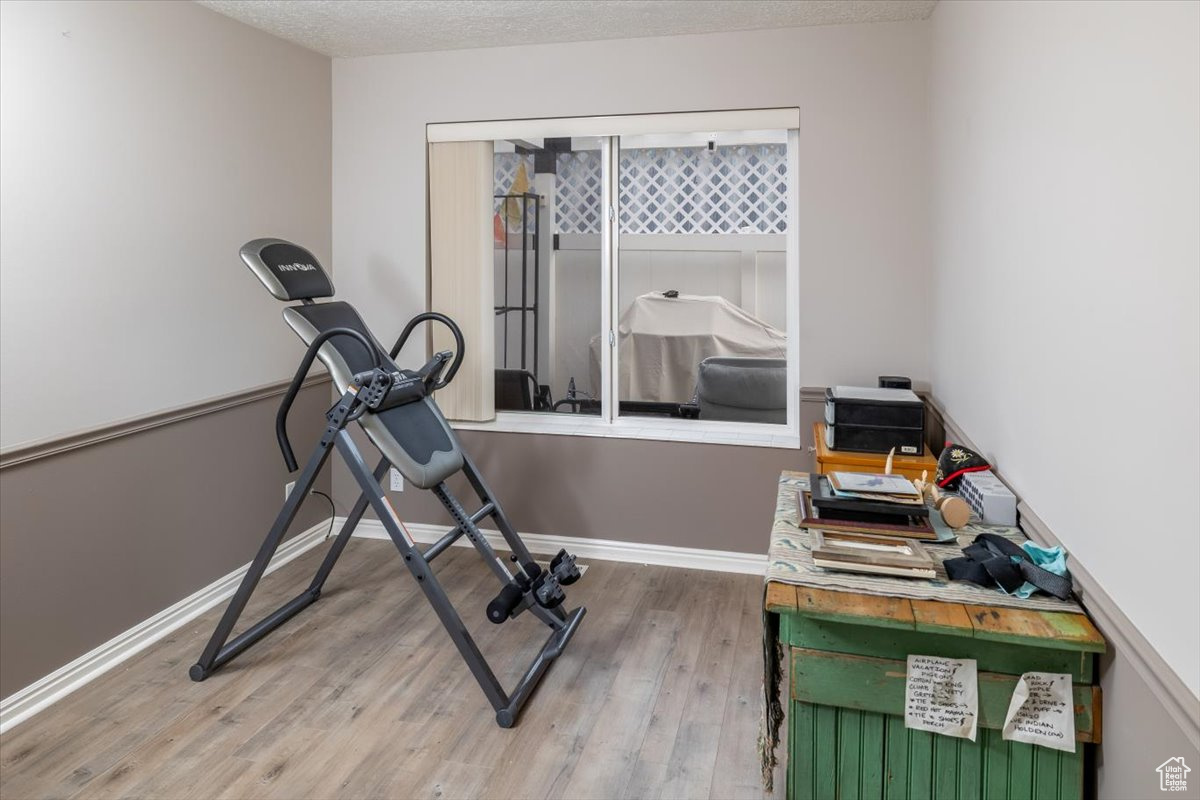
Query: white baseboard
{"x":601,"y":549}
{"x":23,"y":704}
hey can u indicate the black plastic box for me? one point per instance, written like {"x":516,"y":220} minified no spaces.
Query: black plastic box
{"x":871,"y":420}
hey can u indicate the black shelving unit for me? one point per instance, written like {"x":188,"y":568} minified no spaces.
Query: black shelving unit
{"x":530,"y":262}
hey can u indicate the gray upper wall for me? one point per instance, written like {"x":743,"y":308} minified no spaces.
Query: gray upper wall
{"x":861,"y":90}
{"x":143,"y":144}
{"x":864,"y":234}
{"x":1066,"y":205}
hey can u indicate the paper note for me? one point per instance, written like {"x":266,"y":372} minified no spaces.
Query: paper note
{"x":942,"y":695}
{"x":1042,"y":711}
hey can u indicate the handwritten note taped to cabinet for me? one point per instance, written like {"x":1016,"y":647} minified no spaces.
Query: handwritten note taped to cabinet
{"x":942,"y":695}
{"x":1042,"y":711}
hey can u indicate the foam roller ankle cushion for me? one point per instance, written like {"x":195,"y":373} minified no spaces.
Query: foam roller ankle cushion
{"x":503,"y":604}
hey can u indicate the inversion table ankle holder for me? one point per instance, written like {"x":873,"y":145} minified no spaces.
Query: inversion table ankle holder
{"x":395,"y":409}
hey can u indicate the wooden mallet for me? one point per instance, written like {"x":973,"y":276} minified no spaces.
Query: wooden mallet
{"x":955,"y":510}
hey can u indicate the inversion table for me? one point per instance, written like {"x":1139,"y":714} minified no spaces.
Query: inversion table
{"x":395,"y":408}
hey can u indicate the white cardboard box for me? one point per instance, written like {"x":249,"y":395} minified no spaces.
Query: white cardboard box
{"x":989,"y":498}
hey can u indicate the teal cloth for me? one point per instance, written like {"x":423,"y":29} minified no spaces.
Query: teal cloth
{"x":1051,"y":559}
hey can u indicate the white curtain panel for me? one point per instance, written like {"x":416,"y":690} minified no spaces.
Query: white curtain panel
{"x":461,"y":276}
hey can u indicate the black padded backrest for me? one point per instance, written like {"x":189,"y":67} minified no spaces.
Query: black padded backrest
{"x":287,"y":270}
{"x":413,"y":436}
{"x":343,"y":355}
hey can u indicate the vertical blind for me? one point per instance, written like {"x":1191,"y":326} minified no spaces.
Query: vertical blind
{"x":461,"y":271}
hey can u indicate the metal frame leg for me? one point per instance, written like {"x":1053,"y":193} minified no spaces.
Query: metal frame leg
{"x":554,"y":617}
{"x":339,"y":544}
{"x":217,"y":652}
{"x":419,"y":567}
{"x":507,"y":707}
{"x":467,"y":525}
{"x":497,"y":513}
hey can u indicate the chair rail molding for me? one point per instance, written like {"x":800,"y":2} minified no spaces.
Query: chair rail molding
{"x":31,"y":451}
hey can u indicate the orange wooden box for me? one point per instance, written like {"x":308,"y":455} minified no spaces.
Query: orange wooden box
{"x":845,"y":461}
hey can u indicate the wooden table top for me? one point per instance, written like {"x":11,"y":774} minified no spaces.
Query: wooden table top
{"x":1065,"y":630}
{"x":1018,"y":626}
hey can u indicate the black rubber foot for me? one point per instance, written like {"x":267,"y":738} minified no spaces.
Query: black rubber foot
{"x":504,"y":718}
{"x":197,"y":673}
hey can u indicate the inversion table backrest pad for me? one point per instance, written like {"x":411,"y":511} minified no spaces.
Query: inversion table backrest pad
{"x":414,"y":437}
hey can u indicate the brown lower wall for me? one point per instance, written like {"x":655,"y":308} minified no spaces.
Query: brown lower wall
{"x":710,"y":496}
{"x":97,"y":539}
{"x":682,"y":494}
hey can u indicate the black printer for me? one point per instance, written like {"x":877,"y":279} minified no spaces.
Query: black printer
{"x":866,"y":419}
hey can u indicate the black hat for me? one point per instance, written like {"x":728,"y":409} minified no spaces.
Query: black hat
{"x":954,"y":462}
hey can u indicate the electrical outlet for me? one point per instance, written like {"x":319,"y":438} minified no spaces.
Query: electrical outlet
{"x":397,"y":480}
{"x":287,"y":489}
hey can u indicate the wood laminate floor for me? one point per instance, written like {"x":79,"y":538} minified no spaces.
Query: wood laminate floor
{"x":363,"y":695}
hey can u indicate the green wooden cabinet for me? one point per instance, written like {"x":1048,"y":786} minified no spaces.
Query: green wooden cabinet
{"x":846,"y":736}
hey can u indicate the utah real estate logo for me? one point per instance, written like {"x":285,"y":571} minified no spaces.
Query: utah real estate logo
{"x":1172,"y":775}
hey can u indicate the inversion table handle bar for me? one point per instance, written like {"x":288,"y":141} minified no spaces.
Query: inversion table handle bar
{"x":285,"y":445}
{"x":459,"y":345}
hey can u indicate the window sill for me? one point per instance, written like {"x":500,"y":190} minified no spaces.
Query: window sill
{"x":669,"y":430}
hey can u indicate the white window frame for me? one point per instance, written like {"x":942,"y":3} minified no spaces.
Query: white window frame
{"x":610,"y":423}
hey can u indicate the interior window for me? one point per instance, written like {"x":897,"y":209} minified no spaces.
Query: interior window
{"x":702,"y":327}
{"x":644,"y":276}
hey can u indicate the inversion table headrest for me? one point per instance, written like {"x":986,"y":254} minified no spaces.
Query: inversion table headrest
{"x":287,"y":270}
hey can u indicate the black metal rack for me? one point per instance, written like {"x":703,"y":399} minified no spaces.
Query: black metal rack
{"x":526,"y":307}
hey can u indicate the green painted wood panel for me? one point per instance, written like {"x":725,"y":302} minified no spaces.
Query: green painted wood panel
{"x":877,"y":684}
{"x":999,"y":657}
{"x":970,"y":772}
{"x":895,"y":748}
{"x":801,"y":739}
{"x":920,"y":764}
{"x":1020,"y":771}
{"x":874,"y":764}
{"x":945,"y":767}
{"x":996,"y":763}
{"x":850,"y":759}
{"x":847,"y":753}
{"x":825,"y":751}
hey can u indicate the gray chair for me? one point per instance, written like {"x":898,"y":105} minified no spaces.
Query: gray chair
{"x":743,"y":389}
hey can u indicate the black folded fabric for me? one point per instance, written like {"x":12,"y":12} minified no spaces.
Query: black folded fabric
{"x":988,"y":562}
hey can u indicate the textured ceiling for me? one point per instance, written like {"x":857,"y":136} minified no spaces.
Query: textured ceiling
{"x":345,"y":28}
